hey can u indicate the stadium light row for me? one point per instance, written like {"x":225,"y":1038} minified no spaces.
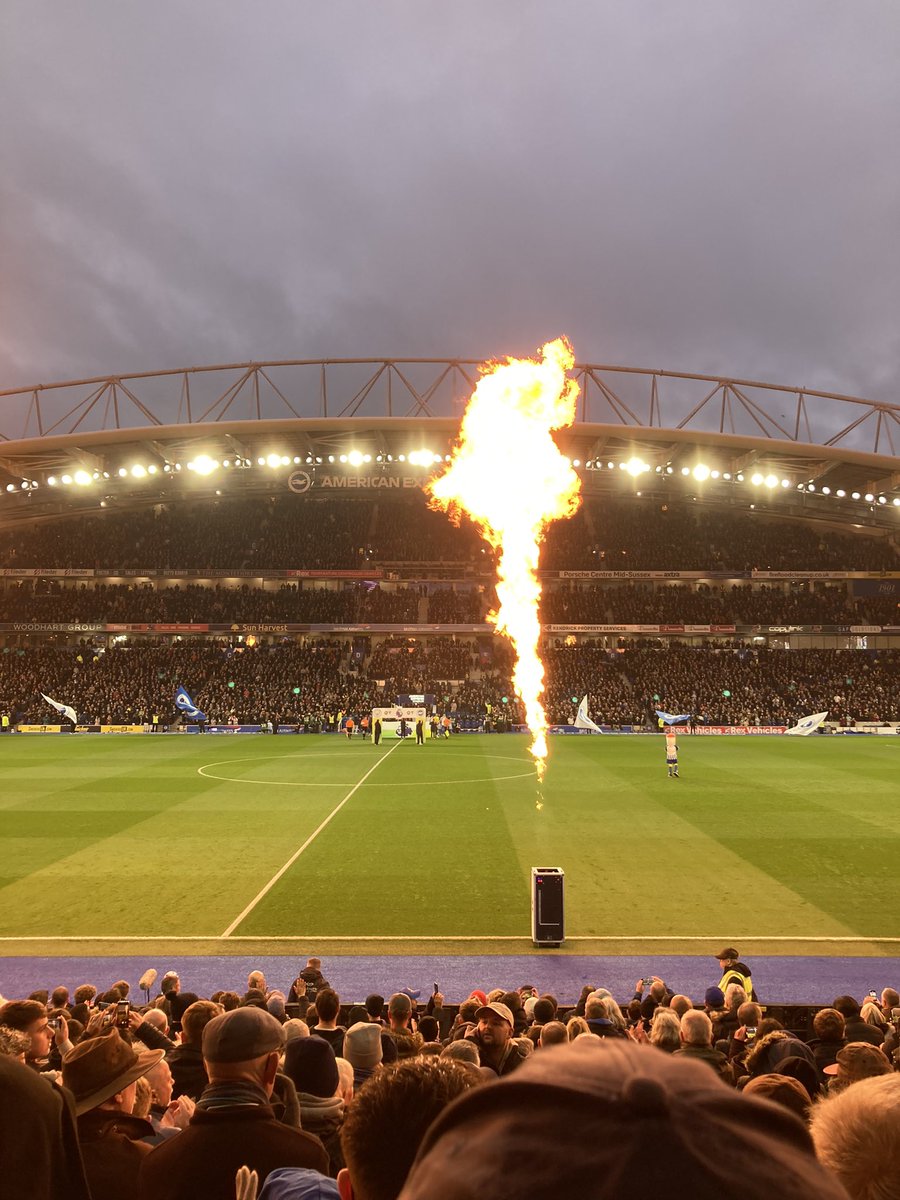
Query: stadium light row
{"x":203,"y":465}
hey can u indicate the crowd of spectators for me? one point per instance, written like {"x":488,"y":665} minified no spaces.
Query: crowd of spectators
{"x":368,"y":602}
{"x":289,"y":1091}
{"x":312,"y":683}
{"x":724,"y":687}
{"x":635,"y":534}
{"x":289,"y":531}
{"x":738,"y":604}
{"x":351,"y":603}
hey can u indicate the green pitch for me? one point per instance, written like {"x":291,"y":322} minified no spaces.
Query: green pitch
{"x":771,"y":842}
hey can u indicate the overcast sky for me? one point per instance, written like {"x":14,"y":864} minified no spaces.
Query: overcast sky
{"x":698,"y":185}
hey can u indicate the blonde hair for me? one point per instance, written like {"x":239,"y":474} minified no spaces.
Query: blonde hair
{"x":143,"y":1098}
{"x":577,"y":1026}
{"x":855,"y":1134}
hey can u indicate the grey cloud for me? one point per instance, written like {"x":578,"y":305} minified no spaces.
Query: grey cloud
{"x":699,"y":186}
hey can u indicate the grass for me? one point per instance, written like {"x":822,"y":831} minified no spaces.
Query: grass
{"x":770,"y":841}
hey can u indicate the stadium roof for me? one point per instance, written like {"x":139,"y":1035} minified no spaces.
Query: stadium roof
{"x":252,"y":427}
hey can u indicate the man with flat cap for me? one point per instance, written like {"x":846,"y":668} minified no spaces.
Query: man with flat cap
{"x":234,"y":1123}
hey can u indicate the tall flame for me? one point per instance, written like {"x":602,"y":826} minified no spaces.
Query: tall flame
{"x":508,"y":475}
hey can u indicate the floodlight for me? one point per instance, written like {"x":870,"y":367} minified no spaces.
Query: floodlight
{"x":771,"y":481}
{"x":756,"y":479}
{"x":610,"y":465}
{"x":82,"y":478}
{"x":855,"y":496}
{"x":151,"y":470}
{"x":726,"y":475}
{"x":701,"y":472}
{"x":285,"y":460}
{"x":576,"y":462}
{"x":343,"y":458}
{"x":296,"y":459}
{"x":785,"y":483}
{"x":896,"y":502}
{"x":138,"y":471}
{"x":260,"y":462}
{"x":354,"y":458}
{"x":826,"y":491}
{"x":226,"y":462}
{"x":869,"y":497}
{"x":51,"y":481}
{"x":10,"y":487}
{"x":714,"y":474}
{"x":810,"y":487}
{"x":402,"y":458}
{"x":739,"y":477}
{"x":203,"y":464}
{"x":636,"y":466}
{"x":882,"y":499}
{"x":67,"y":479}
{"x":685,"y":470}
{"x":274,"y":460}
{"x":331,"y":458}
{"x":840,"y":493}
{"x":24,"y":485}
{"x":122,"y":472}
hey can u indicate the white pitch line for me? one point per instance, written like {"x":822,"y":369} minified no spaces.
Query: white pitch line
{"x":312,"y":837}
{"x":467,"y":937}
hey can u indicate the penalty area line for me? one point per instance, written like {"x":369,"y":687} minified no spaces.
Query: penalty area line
{"x":309,"y":841}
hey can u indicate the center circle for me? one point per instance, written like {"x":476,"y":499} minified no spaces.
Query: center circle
{"x":207,"y":773}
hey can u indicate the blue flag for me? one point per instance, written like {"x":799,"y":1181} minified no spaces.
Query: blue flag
{"x":187,"y":706}
{"x":669,"y":719}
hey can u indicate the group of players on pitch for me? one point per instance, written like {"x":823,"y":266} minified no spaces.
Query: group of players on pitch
{"x":439,"y":727}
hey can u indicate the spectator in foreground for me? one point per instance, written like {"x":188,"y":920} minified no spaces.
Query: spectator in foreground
{"x":857,"y":1136}
{"x":328,"y":1007}
{"x":186,"y":1061}
{"x":653,"y":1120}
{"x":855,"y":1028}
{"x":101,"y":1073}
{"x":696,"y":1042}
{"x":311,"y":1065}
{"x":855,"y":1061}
{"x":234,"y":1123}
{"x":388,"y":1119}
{"x":39,"y":1155}
{"x":493,"y":1035}
{"x":408,"y":1041}
{"x":30,"y":1017}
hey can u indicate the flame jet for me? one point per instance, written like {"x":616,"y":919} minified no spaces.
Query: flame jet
{"x":507,"y":474}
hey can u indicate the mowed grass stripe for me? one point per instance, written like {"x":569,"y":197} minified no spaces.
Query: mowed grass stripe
{"x":433,"y":853}
{"x":795,"y":821}
{"x":68,"y":800}
{"x":634,"y":865}
{"x":190,"y":851}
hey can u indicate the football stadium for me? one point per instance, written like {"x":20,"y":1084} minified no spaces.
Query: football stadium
{"x":627,"y":705}
{"x":449,"y":601}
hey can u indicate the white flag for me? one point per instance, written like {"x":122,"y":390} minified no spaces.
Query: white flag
{"x":807,"y":725}
{"x":583,"y":721}
{"x":65,"y":710}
